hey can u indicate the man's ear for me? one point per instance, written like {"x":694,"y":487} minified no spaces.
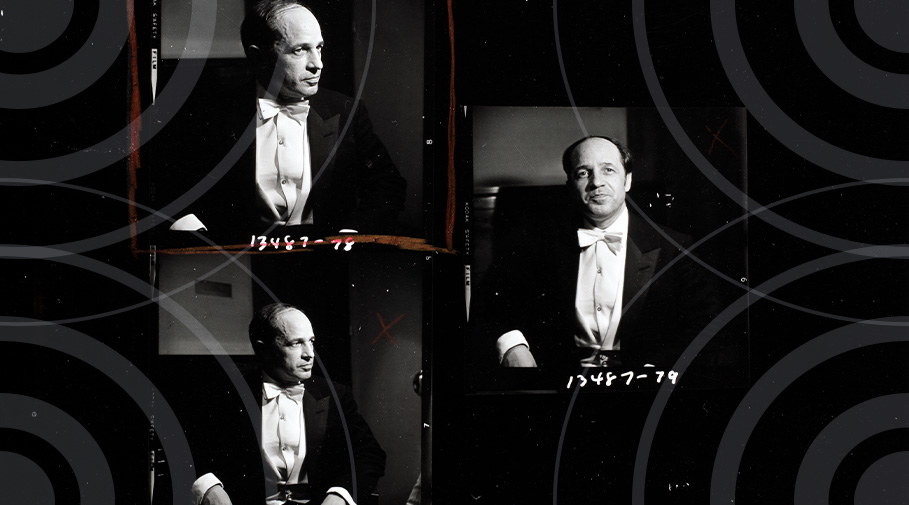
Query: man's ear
{"x":253,"y":53}
{"x":258,"y":59}
{"x":627,"y":182}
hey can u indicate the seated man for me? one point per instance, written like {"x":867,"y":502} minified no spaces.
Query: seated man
{"x":597,"y":285}
{"x":303,"y":442}
{"x":290,"y":152}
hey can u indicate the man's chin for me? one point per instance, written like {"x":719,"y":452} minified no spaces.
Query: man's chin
{"x":601,"y":211}
{"x":298,"y":95}
{"x":310,"y":91}
{"x":598,"y":215}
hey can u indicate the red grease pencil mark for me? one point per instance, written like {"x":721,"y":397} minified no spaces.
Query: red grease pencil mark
{"x":135,"y":111}
{"x":450,"y":204}
{"x":408,"y":243}
{"x":385,"y":327}
{"x":716,"y":138}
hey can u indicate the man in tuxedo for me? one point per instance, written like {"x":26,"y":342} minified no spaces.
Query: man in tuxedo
{"x":595,"y":285}
{"x":306,"y":422}
{"x":313,"y":158}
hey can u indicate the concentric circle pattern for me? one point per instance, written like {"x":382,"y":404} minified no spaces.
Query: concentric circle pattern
{"x":869,"y":84}
{"x":820,"y":222}
{"x":27,"y":28}
{"x":67,"y":435}
{"x":118,"y":346}
{"x":782,"y":369}
{"x":884,"y":482}
{"x":66,"y":80}
{"x":842,"y":435}
{"x":841,"y":66}
{"x":24,"y":481}
{"x":886,"y":22}
{"x":108,"y":39}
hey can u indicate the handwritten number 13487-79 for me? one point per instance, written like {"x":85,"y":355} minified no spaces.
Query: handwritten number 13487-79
{"x":627,"y":376}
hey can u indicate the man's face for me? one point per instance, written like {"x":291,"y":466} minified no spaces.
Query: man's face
{"x":298,"y":52}
{"x":288,"y":358}
{"x":598,"y":181}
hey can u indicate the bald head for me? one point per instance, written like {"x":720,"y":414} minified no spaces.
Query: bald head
{"x":283,"y":340}
{"x":283,"y":43}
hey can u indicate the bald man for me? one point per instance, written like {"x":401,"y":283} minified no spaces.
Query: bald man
{"x":304,"y":446}
{"x":299,"y":170}
{"x":588,"y":296}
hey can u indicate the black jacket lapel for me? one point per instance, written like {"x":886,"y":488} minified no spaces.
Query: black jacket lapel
{"x":315,"y":415}
{"x":640,"y":264}
{"x":323,"y":134}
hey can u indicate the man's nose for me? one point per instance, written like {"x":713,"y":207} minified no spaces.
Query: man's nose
{"x":315,"y":62}
{"x":596,"y":179}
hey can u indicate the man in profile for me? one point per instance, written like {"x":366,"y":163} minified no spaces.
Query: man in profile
{"x":304,"y":436}
{"x":600,"y":286}
{"x":314,"y":160}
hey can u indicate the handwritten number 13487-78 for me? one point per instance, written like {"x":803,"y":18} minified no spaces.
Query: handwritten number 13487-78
{"x":289,"y":243}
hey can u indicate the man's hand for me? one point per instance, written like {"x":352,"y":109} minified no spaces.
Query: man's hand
{"x":519,"y":356}
{"x":216,"y":496}
{"x":333,"y":499}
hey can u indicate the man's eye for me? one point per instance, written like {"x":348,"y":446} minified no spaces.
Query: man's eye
{"x":581,"y":174}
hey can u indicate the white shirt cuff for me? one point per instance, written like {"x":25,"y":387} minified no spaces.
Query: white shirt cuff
{"x":340,"y":491}
{"x":507,"y":341}
{"x":188,"y":222}
{"x":202,"y":485}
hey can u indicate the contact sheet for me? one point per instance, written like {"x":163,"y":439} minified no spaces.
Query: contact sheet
{"x":473,"y":252}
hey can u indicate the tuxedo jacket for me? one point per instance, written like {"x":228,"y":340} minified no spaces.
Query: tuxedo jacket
{"x":205,"y":164}
{"x":223,"y":442}
{"x":667,"y":299}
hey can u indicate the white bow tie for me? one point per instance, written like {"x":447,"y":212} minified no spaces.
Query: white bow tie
{"x":295,"y":393}
{"x":297,"y":111}
{"x":587,"y":237}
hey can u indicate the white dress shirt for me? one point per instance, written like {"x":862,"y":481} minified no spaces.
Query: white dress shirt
{"x":283,"y":446}
{"x":598,"y":299}
{"x":601,"y":277}
{"x":283,"y":166}
{"x":283,"y":162}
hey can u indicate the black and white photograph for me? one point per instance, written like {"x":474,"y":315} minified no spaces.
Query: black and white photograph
{"x":549,"y":304}
{"x":274,"y":137}
{"x":398,"y":252}
{"x":341,"y":338}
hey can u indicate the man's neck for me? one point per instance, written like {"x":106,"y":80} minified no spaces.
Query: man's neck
{"x":261,"y":92}
{"x":602,"y":224}
{"x":279,"y":383}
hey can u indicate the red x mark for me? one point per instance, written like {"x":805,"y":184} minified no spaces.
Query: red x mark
{"x":386,"y":327}
{"x":716,"y":138}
